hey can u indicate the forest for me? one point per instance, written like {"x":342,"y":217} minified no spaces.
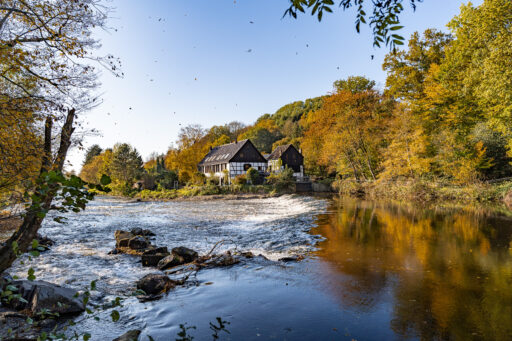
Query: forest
{"x":443,"y":115}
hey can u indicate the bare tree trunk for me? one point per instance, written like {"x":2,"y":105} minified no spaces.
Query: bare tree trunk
{"x":27,"y":232}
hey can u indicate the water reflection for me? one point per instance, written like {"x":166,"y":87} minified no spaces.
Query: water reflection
{"x":446,"y":273}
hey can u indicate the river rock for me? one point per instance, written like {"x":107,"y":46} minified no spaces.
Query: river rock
{"x":122,"y":238}
{"x":131,"y":335}
{"x":137,"y":243}
{"x":140,"y":232}
{"x":43,"y":295}
{"x":170,"y":261}
{"x":295,"y":258}
{"x":225,"y":259}
{"x":154,"y":284}
{"x":187,"y":254}
{"x":153,"y":259}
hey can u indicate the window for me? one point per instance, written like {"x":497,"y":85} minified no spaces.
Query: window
{"x":259,"y":168}
{"x":247,"y":166}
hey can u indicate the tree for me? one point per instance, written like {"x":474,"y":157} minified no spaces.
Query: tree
{"x":347,"y":135}
{"x":354,"y":84}
{"x":263,"y":134}
{"x":91,"y":152}
{"x":46,"y":77}
{"x":126,"y":163}
{"x":384,"y":20}
{"x":478,"y":63}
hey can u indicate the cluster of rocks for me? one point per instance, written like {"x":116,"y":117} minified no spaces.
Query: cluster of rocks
{"x":179,"y":260}
{"x":40,"y":300}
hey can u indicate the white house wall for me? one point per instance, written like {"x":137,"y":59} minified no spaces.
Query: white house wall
{"x":237,"y":168}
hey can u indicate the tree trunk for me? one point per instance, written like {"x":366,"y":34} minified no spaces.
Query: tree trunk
{"x":27,"y":232}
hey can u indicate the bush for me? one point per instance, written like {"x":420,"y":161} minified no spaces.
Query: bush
{"x":240,"y":180}
{"x":282,"y":181}
{"x":253,"y":176}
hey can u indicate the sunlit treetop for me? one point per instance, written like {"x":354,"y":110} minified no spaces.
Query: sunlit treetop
{"x":384,"y":19}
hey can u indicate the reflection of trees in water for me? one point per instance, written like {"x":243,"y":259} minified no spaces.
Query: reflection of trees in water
{"x":450,"y":271}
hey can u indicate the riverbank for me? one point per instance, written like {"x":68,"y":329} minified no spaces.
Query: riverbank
{"x":423,"y":191}
{"x":210,"y":192}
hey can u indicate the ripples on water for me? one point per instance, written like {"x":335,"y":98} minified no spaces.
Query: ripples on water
{"x":378,"y":271}
{"x":274,"y":227}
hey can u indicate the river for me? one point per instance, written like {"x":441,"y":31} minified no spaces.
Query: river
{"x":373,"y":271}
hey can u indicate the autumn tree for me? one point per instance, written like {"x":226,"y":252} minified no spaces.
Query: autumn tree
{"x":347,"y":135}
{"x":46,"y":80}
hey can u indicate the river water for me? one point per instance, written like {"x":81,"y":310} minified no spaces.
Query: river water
{"x":373,"y":271}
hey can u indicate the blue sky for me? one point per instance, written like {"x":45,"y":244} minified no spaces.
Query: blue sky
{"x":203,"y":61}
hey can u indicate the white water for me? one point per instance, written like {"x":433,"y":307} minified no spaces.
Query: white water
{"x":274,"y":227}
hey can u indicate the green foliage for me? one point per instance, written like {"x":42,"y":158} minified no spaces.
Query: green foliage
{"x":293,"y":112}
{"x":126,"y":163}
{"x":253,"y":176}
{"x":282,"y":181}
{"x":354,"y":84}
{"x":91,"y":152}
{"x":384,"y":20}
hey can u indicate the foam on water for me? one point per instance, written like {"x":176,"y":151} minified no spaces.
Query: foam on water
{"x":274,"y":227}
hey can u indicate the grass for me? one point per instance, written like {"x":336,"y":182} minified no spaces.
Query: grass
{"x":204,"y":190}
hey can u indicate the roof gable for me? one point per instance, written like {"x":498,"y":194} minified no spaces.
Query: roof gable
{"x":226,"y":152}
{"x":280,"y":150}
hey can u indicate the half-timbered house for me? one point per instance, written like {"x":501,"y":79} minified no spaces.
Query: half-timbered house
{"x":286,"y":156}
{"x":232,"y":159}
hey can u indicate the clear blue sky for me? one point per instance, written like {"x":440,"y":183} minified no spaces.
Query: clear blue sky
{"x":202,"y":61}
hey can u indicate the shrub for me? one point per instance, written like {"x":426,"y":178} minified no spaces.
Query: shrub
{"x":240,"y":180}
{"x":282,"y":181}
{"x":253,"y":176}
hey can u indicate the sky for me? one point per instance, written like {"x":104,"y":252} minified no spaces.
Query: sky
{"x":211,"y":62}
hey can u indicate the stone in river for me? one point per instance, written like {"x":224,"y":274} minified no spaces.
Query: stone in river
{"x":140,"y":232}
{"x":291,"y":259}
{"x":131,"y":335}
{"x":42,"y":295}
{"x":121,"y":236}
{"x":187,"y":254}
{"x":154,"y":284}
{"x":170,"y":261}
{"x":137,"y":243}
{"x":152,"y":259}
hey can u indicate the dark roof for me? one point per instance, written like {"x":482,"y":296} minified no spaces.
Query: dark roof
{"x":276,"y":154}
{"x":222,"y":154}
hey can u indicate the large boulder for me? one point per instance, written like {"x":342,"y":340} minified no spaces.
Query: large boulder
{"x":42,"y":295}
{"x":187,"y":254}
{"x":122,"y":238}
{"x":138,"y":243}
{"x":152,"y":256}
{"x":170,"y":261}
{"x":131,"y":335}
{"x":154,"y":284}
